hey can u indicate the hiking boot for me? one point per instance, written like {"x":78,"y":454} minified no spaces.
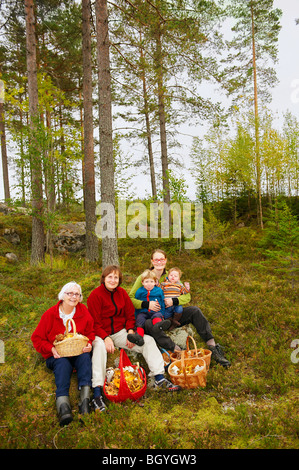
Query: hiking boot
{"x":161,"y":325}
{"x":218,"y":355}
{"x":64,"y":410}
{"x":98,"y":404}
{"x":165,"y":384}
{"x":84,"y":406}
{"x":136,"y":339}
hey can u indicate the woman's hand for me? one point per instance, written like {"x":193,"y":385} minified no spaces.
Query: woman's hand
{"x":55,"y":353}
{"x":154,"y":305}
{"x":109,"y":345}
{"x":87,"y":348}
{"x":168,"y":302}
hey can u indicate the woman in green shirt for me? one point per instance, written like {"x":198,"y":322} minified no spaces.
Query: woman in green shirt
{"x":190,"y":314}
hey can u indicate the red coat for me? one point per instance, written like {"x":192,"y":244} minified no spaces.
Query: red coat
{"x":111,"y":311}
{"x":51,"y":325}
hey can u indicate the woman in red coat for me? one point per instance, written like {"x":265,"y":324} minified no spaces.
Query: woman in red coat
{"x":114,"y":318}
{"x":52,"y":323}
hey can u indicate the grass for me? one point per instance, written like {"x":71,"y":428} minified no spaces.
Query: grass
{"x":253,"y":313}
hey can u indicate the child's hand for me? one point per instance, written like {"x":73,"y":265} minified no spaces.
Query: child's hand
{"x":168,"y":302}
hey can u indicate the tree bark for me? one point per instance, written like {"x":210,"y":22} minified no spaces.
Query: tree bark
{"x":109,"y":243}
{"x":38,"y":235}
{"x":256,"y":123}
{"x":162,"y":120}
{"x":148,"y":128}
{"x":92,"y":243}
{"x":4,"y":153}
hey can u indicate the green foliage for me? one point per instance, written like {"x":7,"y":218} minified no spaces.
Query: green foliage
{"x":280,"y":242}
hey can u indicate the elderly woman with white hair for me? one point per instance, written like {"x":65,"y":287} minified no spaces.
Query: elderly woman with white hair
{"x":52,"y":323}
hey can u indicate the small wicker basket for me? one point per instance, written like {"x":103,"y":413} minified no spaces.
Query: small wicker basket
{"x":72,"y":346}
{"x":192,"y":353}
{"x":189,"y":380}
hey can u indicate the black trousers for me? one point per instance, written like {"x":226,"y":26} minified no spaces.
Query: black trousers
{"x":191,"y":315}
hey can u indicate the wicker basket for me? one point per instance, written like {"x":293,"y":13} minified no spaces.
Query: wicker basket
{"x":191,"y":353}
{"x":189,"y":380}
{"x":73,"y":345}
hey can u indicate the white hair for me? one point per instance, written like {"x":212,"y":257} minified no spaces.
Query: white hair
{"x":67,"y":287}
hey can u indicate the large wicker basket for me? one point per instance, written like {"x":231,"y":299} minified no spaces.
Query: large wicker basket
{"x":192,"y":353}
{"x":72,"y":346}
{"x":185,"y":379}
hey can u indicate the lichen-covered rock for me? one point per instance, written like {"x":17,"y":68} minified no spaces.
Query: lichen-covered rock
{"x":70,"y":237}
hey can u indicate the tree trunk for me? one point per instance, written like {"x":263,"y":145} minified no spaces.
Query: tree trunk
{"x":162,"y":120}
{"x":109,"y":244}
{"x":148,"y":131}
{"x":38,"y":235}
{"x":92,"y":243}
{"x":256,"y":122}
{"x":4,"y":153}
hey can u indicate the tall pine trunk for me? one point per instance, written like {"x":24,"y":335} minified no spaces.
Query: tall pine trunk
{"x":256,"y":124}
{"x":4,"y":153}
{"x":38,"y":235}
{"x":92,"y":243}
{"x":109,"y":244}
{"x":148,"y":129}
{"x":162,"y":118}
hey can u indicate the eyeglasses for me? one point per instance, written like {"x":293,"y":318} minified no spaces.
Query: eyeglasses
{"x":73,"y":294}
{"x":158,"y":260}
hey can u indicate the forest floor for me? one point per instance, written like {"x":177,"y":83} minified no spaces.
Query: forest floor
{"x":253,"y":313}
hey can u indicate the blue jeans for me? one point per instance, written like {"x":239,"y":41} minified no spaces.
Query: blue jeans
{"x":143,"y":316}
{"x":63,"y":369}
{"x":169,"y":311}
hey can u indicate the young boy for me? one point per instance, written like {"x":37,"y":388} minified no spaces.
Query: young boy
{"x":173,"y":288}
{"x":148,"y":292}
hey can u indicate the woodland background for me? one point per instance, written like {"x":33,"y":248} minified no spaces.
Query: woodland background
{"x":81,"y":88}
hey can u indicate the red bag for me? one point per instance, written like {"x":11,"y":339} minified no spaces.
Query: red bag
{"x":124,"y":392}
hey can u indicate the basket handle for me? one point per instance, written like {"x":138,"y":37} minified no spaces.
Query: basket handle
{"x":123,"y":362}
{"x":67,"y":326}
{"x":187,"y":342}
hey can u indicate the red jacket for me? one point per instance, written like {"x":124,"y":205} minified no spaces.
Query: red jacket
{"x":50,"y":325}
{"x":111,"y":311}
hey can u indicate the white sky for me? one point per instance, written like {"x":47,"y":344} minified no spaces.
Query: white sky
{"x":285,"y":95}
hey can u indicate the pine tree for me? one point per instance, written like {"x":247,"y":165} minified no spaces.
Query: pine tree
{"x":109,"y":244}
{"x":92,"y":249}
{"x":257,"y":27}
{"x":38,"y":235}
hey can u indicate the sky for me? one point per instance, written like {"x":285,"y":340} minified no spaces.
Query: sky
{"x":285,"y":96}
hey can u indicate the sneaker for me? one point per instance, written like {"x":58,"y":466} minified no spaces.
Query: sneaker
{"x":98,"y":404}
{"x":162,"y":325}
{"x":165,"y":384}
{"x":136,"y":339}
{"x":218,"y":355}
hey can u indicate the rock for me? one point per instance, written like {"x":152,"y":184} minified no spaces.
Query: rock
{"x":70,"y":237}
{"x":179,"y":335}
{"x":12,"y":257}
{"x":4,"y":208}
{"x":11,"y":235}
